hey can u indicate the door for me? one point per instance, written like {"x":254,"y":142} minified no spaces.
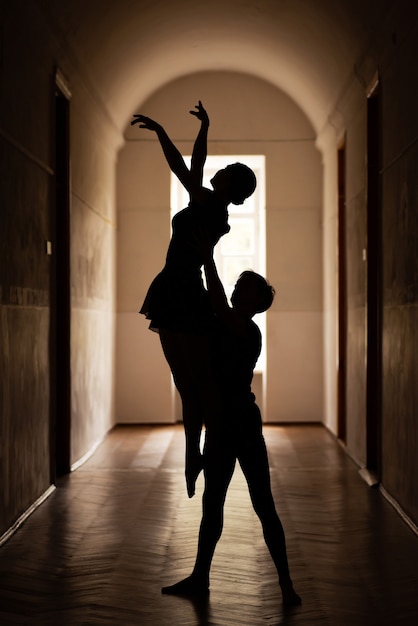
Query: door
{"x":342,"y":299}
{"x":60,"y":288}
{"x":374,"y":287}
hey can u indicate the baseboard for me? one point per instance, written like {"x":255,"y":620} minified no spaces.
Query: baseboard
{"x":11,"y":531}
{"x":399,"y":510}
{"x":18,"y":523}
{"x":372,"y":481}
{"x":88,"y":454}
{"x":369,"y":477}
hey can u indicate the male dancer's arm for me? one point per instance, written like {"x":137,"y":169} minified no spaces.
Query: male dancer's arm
{"x":215,"y":287}
{"x":217,"y":293}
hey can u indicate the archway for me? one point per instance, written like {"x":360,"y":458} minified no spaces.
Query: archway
{"x":248,"y":116}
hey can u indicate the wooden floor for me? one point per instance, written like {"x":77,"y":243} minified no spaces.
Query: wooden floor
{"x":99,"y":549}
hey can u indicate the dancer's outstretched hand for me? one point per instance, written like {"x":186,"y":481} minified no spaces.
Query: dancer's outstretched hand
{"x":201,"y":113}
{"x":145,"y":122}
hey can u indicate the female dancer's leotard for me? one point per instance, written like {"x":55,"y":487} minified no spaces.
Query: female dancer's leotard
{"x":177,"y":299}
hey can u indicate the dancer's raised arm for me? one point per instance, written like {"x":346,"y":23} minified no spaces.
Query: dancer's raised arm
{"x":217,"y":295}
{"x":200,"y":148}
{"x":215,"y":287}
{"x":171,"y":153}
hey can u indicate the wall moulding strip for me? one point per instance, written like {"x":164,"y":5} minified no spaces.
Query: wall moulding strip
{"x":27,"y":153}
{"x":62,"y":83}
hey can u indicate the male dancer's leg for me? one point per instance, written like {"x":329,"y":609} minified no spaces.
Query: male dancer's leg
{"x":219,"y":464}
{"x":253,"y":459}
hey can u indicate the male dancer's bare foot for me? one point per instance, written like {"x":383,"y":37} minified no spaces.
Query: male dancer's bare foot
{"x":190,"y":586}
{"x":194,"y":465}
{"x":290,"y":597}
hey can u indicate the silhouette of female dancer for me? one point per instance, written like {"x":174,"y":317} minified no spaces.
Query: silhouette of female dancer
{"x":237,"y":434}
{"x":177,"y":303}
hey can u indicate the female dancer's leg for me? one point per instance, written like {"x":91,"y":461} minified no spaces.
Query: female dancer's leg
{"x":190,"y":359}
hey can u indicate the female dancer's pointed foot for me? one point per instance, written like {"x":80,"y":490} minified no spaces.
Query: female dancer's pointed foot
{"x":190,"y":586}
{"x":193,"y":468}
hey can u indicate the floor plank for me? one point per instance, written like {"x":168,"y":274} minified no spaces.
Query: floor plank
{"x":99,"y":549}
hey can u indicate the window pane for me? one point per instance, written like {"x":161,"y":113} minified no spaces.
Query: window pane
{"x":233,"y":267}
{"x":249,"y":206}
{"x":240,"y":239}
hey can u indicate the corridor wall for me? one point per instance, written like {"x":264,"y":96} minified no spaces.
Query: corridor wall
{"x":30,"y":56}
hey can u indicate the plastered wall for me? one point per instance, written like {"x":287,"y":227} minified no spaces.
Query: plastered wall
{"x":248,"y":116}
{"x":356,"y":280}
{"x":93,"y":235}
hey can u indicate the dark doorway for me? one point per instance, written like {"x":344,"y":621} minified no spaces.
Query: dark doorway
{"x":342,"y":299}
{"x":60,"y":288}
{"x":374,"y":286}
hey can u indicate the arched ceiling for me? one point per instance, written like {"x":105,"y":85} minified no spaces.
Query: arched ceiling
{"x":130,"y":48}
